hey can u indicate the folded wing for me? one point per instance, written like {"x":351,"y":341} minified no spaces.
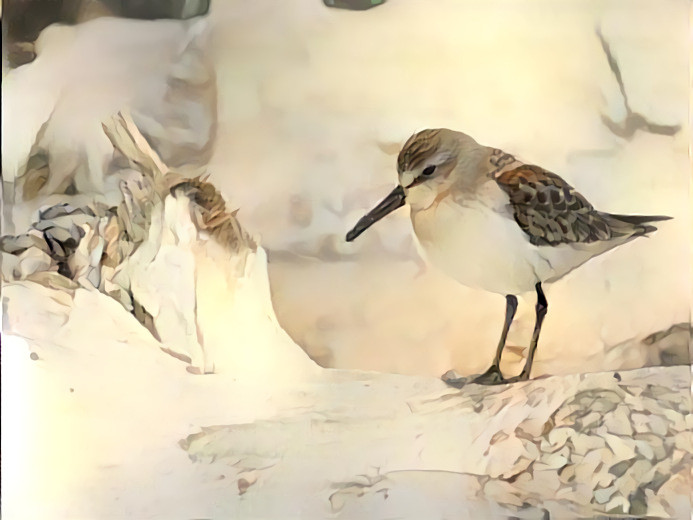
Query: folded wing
{"x":551,"y":212}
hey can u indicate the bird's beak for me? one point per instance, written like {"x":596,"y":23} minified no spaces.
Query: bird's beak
{"x":389,"y":204}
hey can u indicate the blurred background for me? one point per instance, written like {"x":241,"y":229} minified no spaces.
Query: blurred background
{"x":298,"y":110}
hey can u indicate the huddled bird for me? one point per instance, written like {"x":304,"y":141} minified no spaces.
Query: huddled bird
{"x":495,"y":223}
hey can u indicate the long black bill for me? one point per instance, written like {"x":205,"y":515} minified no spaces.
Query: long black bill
{"x":389,"y":204}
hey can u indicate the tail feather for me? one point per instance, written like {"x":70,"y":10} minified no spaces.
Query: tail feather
{"x":638,"y":223}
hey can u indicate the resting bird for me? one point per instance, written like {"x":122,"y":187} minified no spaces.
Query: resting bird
{"x":492,"y":222}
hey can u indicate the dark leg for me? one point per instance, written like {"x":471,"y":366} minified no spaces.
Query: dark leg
{"x":493,"y":375}
{"x":541,"y":308}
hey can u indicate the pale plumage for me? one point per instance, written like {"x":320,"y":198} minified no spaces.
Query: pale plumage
{"x":495,"y":223}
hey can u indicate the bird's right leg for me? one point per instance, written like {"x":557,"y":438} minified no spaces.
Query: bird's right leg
{"x":493,"y":375}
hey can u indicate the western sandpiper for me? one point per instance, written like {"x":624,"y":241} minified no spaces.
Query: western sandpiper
{"x":495,"y":223}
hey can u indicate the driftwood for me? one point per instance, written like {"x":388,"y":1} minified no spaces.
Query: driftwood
{"x":110,"y":248}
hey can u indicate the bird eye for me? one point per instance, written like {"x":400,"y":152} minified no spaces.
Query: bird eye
{"x":428,"y":170}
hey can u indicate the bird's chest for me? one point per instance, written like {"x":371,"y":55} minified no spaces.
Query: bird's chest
{"x":478,"y":243}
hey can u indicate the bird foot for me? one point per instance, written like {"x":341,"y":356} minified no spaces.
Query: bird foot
{"x":521,"y":377}
{"x":492,"y":376}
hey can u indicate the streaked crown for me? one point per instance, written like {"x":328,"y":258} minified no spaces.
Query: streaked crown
{"x":418,"y":148}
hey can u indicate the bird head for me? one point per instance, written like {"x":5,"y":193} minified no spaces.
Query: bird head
{"x":429,"y":164}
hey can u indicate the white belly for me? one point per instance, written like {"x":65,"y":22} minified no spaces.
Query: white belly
{"x":478,"y":243}
{"x":478,"y":247}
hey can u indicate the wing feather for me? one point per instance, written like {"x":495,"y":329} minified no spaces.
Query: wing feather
{"x":552,"y":212}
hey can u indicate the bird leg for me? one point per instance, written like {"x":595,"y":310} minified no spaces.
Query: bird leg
{"x":493,"y":375}
{"x":541,"y":308}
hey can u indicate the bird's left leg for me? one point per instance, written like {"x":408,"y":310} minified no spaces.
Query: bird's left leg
{"x":541,"y":308}
{"x":493,"y":375}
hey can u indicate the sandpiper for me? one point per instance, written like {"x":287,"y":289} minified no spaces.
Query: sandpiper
{"x":495,"y":223}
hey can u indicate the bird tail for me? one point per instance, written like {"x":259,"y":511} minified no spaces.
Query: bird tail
{"x":639,"y":224}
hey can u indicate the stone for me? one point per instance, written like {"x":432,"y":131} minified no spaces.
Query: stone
{"x":603,"y":479}
{"x":644,"y":449}
{"x":602,"y":496}
{"x":354,"y":5}
{"x":622,"y":448}
{"x":655,"y":442}
{"x":553,"y":461}
{"x":684,"y":441}
{"x":658,"y":425}
{"x":585,"y":468}
{"x":567,"y":473}
{"x":617,"y":505}
{"x":677,"y":419}
{"x":557,"y":437}
{"x":582,"y":443}
{"x":590,"y":421}
{"x":619,"y":469}
{"x":618,"y":422}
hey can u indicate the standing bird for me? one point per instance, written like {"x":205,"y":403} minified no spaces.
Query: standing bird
{"x":492,"y":222}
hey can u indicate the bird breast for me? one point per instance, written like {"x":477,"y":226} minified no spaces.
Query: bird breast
{"x":474,"y":239}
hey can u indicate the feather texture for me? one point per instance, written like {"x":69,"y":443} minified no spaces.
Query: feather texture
{"x":551,"y":212}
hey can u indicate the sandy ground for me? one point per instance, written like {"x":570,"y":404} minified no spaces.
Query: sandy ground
{"x":111,"y":427}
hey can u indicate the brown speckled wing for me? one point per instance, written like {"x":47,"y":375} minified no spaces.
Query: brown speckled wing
{"x":551,"y":212}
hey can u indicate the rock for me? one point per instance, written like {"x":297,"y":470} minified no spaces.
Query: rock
{"x":658,"y":424}
{"x":622,"y":449}
{"x":354,"y":5}
{"x":640,"y":422}
{"x":583,"y":443}
{"x":602,"y":496}
{"x":617,"y":505}
{"x":552,"y":461}
{"x":613,"y":477}
{"x":684,"y":441}
{"x":618,"y":422}
{"x":644,"y":449}
{"x":20,"y":53}
{"x":672,"y":344}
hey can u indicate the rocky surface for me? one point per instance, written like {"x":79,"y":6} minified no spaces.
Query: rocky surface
{"x":583,"y":446}
{"x":346,"y":444}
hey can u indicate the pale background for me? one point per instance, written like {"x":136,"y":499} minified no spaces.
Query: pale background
{"x":313,"y":104}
